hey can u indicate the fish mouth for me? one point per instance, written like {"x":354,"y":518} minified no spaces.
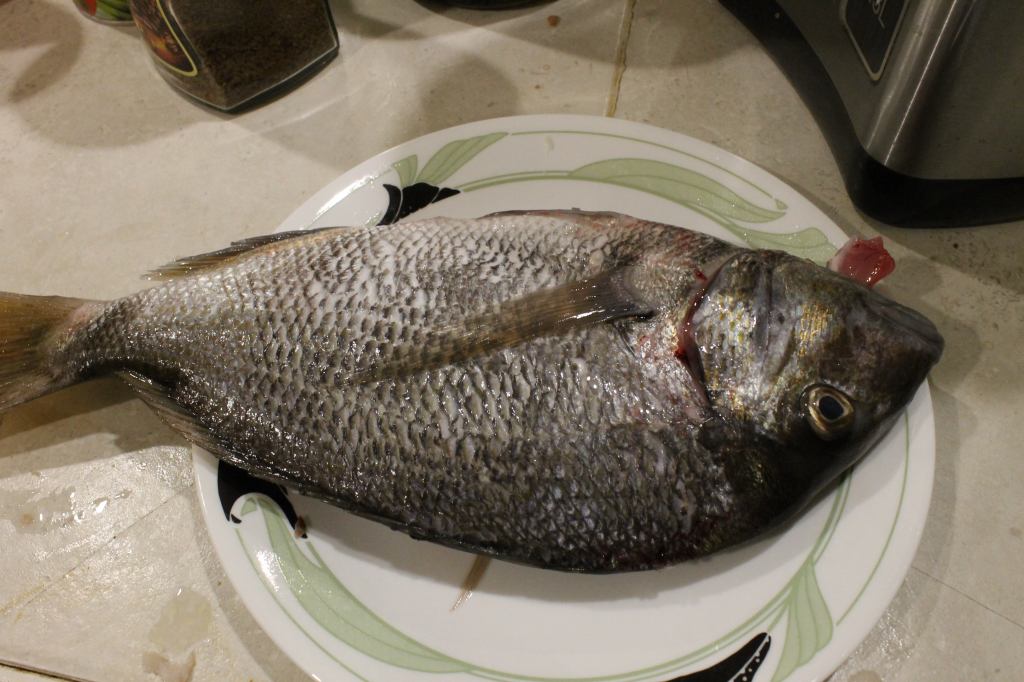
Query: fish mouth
{"x":911,"y":322}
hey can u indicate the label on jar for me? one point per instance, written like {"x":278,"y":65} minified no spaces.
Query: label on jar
{"x":872,"y":25}
{"x":164,"y":37}
{"x":107,"y":11}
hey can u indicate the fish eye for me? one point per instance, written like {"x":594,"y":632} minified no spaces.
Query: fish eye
{"x":829,"y":412}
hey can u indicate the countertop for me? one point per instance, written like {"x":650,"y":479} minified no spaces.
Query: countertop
{"x":108,"y":172}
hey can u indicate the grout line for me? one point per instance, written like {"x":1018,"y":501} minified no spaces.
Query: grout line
{"x":970,"y":598}
{"x":620,"y":57}
{"x":24,"y":667}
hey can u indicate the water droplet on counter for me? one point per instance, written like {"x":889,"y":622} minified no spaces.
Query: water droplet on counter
{"x":29,"y":511}
{"x":166,"y":669}
{"x":184,"y":621}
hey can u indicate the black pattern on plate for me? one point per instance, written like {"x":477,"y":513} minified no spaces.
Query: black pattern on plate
{"x":404,"y":201}
{"x":740,"y":667}
{"x":233,"y":483}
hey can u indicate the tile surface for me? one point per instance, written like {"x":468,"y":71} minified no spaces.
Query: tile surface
{"x":932,"y":632}
{"x":108,"y":172}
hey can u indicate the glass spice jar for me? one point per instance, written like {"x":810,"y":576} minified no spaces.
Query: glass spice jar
{"x":233,"y":54}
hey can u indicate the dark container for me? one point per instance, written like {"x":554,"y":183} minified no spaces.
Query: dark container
{"x":234,"y":54}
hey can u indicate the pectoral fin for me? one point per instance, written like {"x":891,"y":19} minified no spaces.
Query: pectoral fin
{"x":576,"y":305}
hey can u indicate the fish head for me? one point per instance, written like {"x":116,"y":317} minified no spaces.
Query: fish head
{"x":815,"y":363}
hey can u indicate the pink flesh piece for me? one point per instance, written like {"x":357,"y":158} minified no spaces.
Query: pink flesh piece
{"x":863,"y":260}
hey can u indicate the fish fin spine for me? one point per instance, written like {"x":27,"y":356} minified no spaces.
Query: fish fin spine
{"x":206,"y":262}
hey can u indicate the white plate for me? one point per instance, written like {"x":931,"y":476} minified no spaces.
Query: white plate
{"x":355,"y":600}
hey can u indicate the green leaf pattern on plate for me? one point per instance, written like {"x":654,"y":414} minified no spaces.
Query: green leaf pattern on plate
{"x":248,"y":506}
{"x":454,"y":156}
{"x":328,"y":602}
{"x":686,"y":187}
{"x":681,"y":185}
{"x":336,"y":609}
{"x":809,"y":242}
{"x":711,"y":198}
{"x":809,"y":624}
{"x":406,"y":169}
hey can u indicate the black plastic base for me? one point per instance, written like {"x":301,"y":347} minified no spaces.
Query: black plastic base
{"x":878,"y":191}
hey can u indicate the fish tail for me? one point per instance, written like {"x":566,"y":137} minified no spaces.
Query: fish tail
{"x":32,"y":328}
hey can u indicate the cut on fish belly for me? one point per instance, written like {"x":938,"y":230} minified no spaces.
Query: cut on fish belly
{"x":577,"y":391}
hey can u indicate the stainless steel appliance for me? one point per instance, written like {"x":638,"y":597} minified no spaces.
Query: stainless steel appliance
{"x":922,"y":101}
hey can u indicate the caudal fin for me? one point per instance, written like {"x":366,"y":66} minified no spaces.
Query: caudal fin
{"x":30,"y":328}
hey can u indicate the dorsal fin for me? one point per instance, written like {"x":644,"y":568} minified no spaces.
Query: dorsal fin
{"x":214,"y":259}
